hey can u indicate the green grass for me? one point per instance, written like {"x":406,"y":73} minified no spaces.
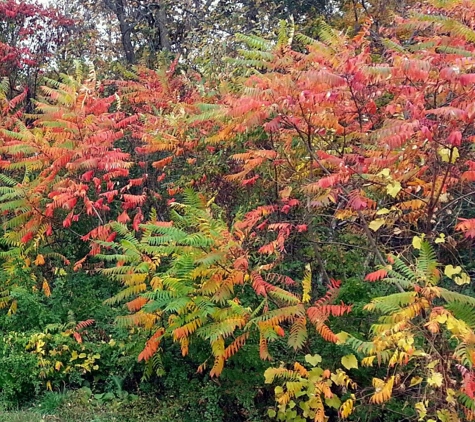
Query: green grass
{"x":21,"y":417}
{"x":73,"y":415}
{"x":80,"y":407}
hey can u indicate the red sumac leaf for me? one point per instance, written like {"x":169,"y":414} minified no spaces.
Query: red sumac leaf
{"x":376,"y":275}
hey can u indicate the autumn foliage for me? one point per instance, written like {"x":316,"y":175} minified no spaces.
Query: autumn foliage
{"x":226,"y":214}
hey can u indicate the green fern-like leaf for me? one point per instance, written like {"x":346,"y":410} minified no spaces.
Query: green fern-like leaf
{"x":391,"y":303}
{"x":454,"y":297}
{"x":298,"y":334}
{"x":255,"y":42}
{"x":455,"y":27}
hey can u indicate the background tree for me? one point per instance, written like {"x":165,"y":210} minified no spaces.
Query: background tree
{"x":143,"y":28}
{"x":30,"y":35}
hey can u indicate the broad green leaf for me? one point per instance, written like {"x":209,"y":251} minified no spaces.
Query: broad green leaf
{"x":315,"y":375}
{"x":334,"y":402}
{"x":268,"y":376}
{"x":313,"y":360}
{"x":271,"y":413}
{"x":349,"y":361}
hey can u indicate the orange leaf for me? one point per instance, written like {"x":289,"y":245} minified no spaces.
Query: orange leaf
{"x":376,"y":275}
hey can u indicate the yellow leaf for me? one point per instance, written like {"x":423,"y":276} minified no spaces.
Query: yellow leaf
{"x":441,"y":319}
{"x":342,"y":336}
{"x":446,"y":155}
{"x":457,"y":326}
{"x":344,"y":214}
{"x":393,"y":188}
{"x":376,"y":224}
{"x":341,"y":379}
{"x":58,"y":365}
{"x":368,"y":361}
{"x":451,"y":396}
{"x":349,"y":361}
{"x":421,"y":410}
{"x":415,"y":381}
{"x":435,"y":380}
{"x":432,"y":364}
{"x":455,"y":155}
{"x":384,"y":172}
{"x":347,"y":408}
{"x":211,"y":201}
{"x":446,"y":415}
{"x":383,"y":389}
{"x":450,"y":270}
{"x":383,"y":211}
{"x":285,"y":193}
{"x":307,"y":284}
{"x":74,"y":356}
{"x":440,"y":239}
{"x":13,"y":307}
{"x":416,"y":242}
{"x":462,"y":279}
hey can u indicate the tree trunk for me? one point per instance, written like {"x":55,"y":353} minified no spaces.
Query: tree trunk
{"x":125,"y":30}
{"x":162,"y":28}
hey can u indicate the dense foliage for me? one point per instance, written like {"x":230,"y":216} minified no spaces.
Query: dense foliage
{"x":277,"y":230}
